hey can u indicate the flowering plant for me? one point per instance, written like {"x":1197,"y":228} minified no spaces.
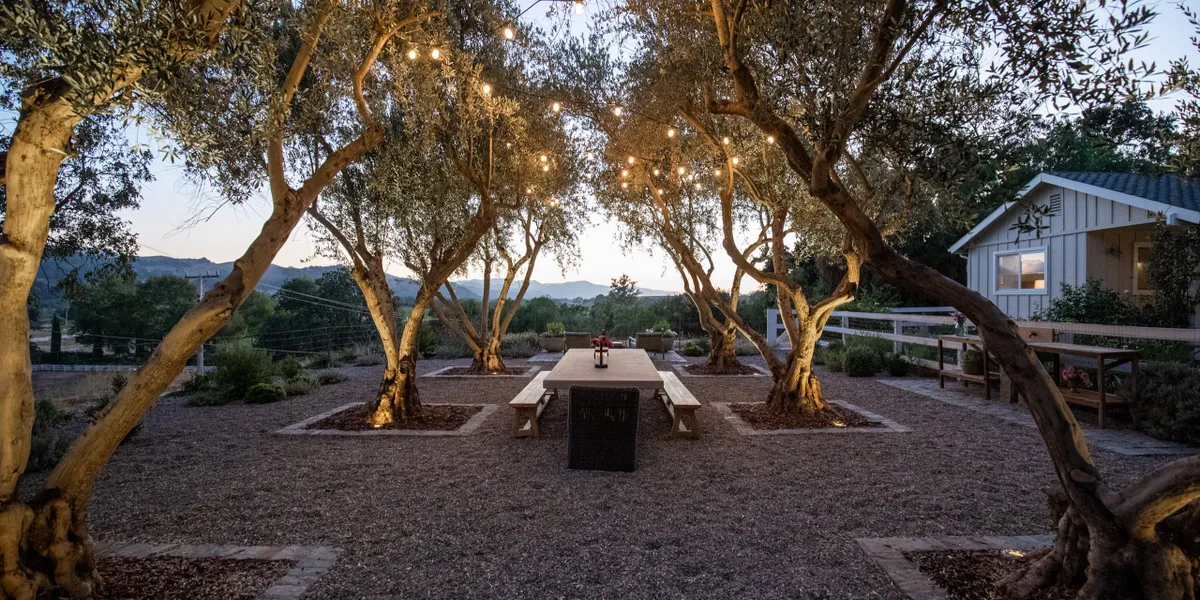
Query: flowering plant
{"x":1076,"y":377}
{"x":602,"y":341}
{"x":959,"y":318}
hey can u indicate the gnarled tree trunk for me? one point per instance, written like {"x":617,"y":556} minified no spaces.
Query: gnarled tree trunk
{"x":487,"y":358}
{"x":398,"y":398}
{"x":722,"y":352}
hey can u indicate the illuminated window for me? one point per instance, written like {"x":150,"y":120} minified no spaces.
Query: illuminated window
{"x":1021,"y":270}
{"x":1141,"y":266}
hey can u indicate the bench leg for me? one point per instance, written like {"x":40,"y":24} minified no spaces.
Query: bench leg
{"x":684,"y":424}
{"x":524,"y":417}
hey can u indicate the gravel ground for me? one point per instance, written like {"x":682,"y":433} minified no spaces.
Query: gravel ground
{"x":487,"y":516}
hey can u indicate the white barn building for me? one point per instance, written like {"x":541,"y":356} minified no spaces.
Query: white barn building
{"x":1099,"y":227}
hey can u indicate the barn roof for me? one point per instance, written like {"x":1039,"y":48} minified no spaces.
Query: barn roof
{"x":1178,"y":198}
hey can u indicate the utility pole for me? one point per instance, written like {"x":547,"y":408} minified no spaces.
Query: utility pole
{"x":200,"y":287}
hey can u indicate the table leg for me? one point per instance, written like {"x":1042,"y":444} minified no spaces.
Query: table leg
{"x":941,"y":366}
{"x":1100,"y":389}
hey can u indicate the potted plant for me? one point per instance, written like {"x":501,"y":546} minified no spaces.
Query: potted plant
{"x":554,"y":339}
{"x":1076,"y":378}
{"x":972,"y":362}
{"x":661,"y":326}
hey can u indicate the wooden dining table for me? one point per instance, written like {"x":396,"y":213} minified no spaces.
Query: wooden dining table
{"x":627,"y":367}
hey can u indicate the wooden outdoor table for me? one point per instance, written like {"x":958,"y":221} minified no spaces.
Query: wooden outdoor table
{"x":1100,"y":398}
{"x":627,"y":367}
{"x":966,"y":340}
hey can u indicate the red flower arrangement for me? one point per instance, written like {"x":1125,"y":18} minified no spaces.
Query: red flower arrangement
{"x":602,"y":341}
{"x":1076,"y":378}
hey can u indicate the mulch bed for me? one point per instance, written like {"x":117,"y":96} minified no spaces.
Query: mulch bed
{"x":760,"y":417}
{"x":160,"y":577}
{"x":434,"y":417}
{"x":459,"y":371}
{"x":968,"y":574}
{"x":739,"y":369}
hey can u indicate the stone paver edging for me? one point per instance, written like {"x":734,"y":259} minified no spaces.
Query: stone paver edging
{"x":889,"y":554}
{"x":467,"y":428}
{"x":443,"y":373}
{"x":744,"y":428}
{"x":308,"y":562}
{"x":1129,"y":443}
{"x":682,"y":369}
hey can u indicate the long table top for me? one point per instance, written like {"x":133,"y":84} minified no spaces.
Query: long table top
{"x":1057,"y":347}
{"x":626,"y":368}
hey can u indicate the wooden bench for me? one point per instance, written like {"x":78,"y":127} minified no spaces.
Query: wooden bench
{"x":529,"y":405}
{"x":681,"y":404}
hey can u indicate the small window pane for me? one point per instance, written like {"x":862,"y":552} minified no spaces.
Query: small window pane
{"x":1033,"y":271}
{"x":1008,"y":274}
{"x":1141,"y":259}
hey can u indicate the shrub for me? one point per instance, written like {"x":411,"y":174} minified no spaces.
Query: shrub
{"x":289,"y":367}
{"x":834,"y":358}
{"x":323,"y":361}
{"x":117,"y":382}
{"x":369,"y":360}
{"x":331,"y":377}
{"x":46,"y":445}
{"x":1091,"y":303}
{"x":300,"y":386}
{"x":348,"y":356}
{"x":896,"y":364}
{"x":555,"y":328}
{"x":744,"y":347}
{"x":450,"y":348}
{"x":240,"y":368}
{"x":265,"y":393}
{"x":1167,"y":404}
{"x":691,"y":348}
{"x":662,"y":326}
{"x":520,"y":345}
{"x":860,"y":361}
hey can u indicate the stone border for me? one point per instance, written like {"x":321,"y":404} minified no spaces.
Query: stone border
{"x":682,"y":369}
{"x":888,"y":553}
{"x":744,"y":428}
{"x":310,"y":562}
{"x":545,"y":357}
{"x":440,"y":373}
{"x":467,"y":428}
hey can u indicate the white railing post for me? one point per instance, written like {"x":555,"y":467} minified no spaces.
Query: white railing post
{"x":898,"y":330}
{"x":773,"y":326}
{"x":845,"y":325}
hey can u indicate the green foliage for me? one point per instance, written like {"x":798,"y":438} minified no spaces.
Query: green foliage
{"x":241,"y":367}
{"x":323,"y":314}
{"x":874,"y":298}
{"x":300,"y":386}
{"x":331,"y":377}
{"x":47,"y":445}
{"x":323,"y":361}
{"x":833,"y":359}
{"x":265,"y":393}
{"x":1091,"y":303}
{"x":536,"y":314}
{"x":691,"y":348}
{"x":520,"y":345}
{"x":289,"y":367}
{"x":247,"y":321}
{"x":55,"y":335}
{"x":860,"y":361}
{"x":370,"y":359}
{"x":1174,"y":259}
{"x":117,"y":383}
{"x":118,"y":311}
{"x":896,"y":365}
{"x":1167,"y":405}
{"x":555,"y":328}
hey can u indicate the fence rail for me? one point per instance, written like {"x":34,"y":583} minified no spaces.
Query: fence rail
{"x":913,"y":317}
{"x":99,"y":368}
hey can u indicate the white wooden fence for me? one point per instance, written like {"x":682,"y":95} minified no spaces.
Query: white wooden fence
{"x":909,"y":326}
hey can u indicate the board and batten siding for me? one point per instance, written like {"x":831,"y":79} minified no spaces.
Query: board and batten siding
{"x":1089,"y":236}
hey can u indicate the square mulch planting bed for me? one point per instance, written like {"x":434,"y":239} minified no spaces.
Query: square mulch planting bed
{"x":758,"y":416}
{"x":968,"y":574}
{"x":434,"y":417}
{"x":739,"y":369}
{"x":170,"y":577}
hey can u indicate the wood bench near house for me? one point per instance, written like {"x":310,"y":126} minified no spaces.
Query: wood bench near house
{"x":681,"y":404}
{"x":529,"y":405}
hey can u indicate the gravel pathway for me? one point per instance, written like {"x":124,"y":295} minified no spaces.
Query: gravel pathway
{"x":487,"y":516}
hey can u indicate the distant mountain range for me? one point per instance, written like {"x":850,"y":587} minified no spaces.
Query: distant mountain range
{"x":150,"y":266}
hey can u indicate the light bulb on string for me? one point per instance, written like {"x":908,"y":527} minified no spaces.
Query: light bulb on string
{"x":435,"y":54}
{"x":617,"y":110}
{"x":509,"y":33}
{"x":624,"y":185}
{"x":681,"y":170}
{"x":544,"y":158}
{"x":660,"y":191}
{"x":624,"y":172}
{"x":556,"y":107}
{"x":770,"y":139}
{"x":716,"y":172}
{"x":591,"y":155}
{"x":578,"y":7}
{"x":735,"y":160}
{"x":725,"y":141}
{"x":412,"y":54}
{"x":656,"y":172}
{"x":630,"y":160}
{"x":545,"y":168}
{"x":528,"y":190}
{"x":671,"y":133}
{"x":697,"y":186}
{"x":487,"y":89}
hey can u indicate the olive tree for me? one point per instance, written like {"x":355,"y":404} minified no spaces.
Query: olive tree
{"x":825,"y":80}
{"x":234,"y":108}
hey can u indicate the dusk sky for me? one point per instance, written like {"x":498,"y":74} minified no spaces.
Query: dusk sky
{"x":170,"y":203}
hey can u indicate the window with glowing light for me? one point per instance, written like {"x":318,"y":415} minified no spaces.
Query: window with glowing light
{"x":1141,"y":267}
{"x":1021,"y":271}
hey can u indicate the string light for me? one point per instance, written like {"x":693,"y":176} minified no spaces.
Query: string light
{"x":656,"y":172}
{"x":697,"y":186}
{"x":412,"y":55}
{"x":545,"y":158}
{"x":630,"y":160}
{"x":725,"y":141}
{"x":545,"y":168}
{"x":770,"y":139}
{"x":660,"y":191}
{"x":487,"y":89}
{"x":671,"y":133}
{"x":435,"y":54}
{"x":528,"y":190}
{"x":681,"y":170}
{"x":735,"y":160}
{"x":617,"y":110}
{"x":624,"y":185}
{"x":591,"y":155}
{"x":509,"y":34}
{"x":579,"y":7}
{"x":716,"y":172}
{"x":624,"y":172}
{"x":508,"y":144}
{"x":557,"y":107}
